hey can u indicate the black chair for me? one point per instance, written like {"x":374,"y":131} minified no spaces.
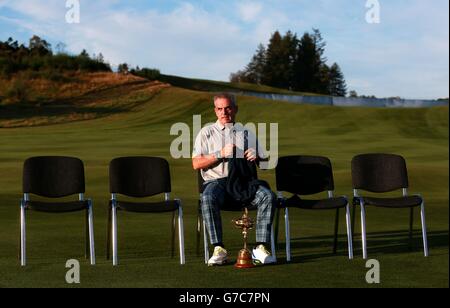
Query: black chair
{"x":381,"y":173}
{"x":308,"y":175}
{"x":230,"y":206}
{"x":141,"y":177}
{"x":55,"y":177}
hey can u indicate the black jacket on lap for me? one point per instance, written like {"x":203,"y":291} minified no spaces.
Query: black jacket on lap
{"x":242,"y":182}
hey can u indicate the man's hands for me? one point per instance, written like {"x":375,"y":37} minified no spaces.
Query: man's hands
{"x":206,"y":161}
{"x":228,"y":150}
{"x":250,"y":155}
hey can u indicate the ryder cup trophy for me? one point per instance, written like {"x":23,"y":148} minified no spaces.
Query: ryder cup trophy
{"x":244,"y":259}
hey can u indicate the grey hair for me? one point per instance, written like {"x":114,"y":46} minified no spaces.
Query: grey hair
{"x":229,"y":97}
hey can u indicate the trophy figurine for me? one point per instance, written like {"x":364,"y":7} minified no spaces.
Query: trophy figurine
{"x":244,"y":259}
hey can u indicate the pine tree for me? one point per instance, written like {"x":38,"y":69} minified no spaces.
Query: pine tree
{"x":305,"y":64}
{"x":323,"y":80}
{"x":289,"y":54}
{"x":311,"y":72}
{"x":254,"y":71}
{"x":337,"y":85}
{"x":274,"y":62}
{"x":280,"y":58}
{"x":294,"y":64}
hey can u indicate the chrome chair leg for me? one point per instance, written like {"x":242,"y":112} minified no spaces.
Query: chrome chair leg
{"x":181,"y":233}
{"x":114,"y":235}
{"x":363,"y":230}
{"x":349,"y":232}
{"x":424,"y":229}
{"x":205,"y":242}
{"x":23,"y":259}
{"x":91,"y":233}
{"x":288,"y":236}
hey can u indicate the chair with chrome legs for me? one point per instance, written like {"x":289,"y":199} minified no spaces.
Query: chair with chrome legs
{"x":308,"y":175}
{"x":382,"y":173}
{"x":55,"y":177}
{"x":140,"y":177}
{"x":201,"y":222}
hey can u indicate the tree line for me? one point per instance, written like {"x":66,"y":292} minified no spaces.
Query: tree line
{"x":294,"y":64}
{"x":39,"y":56}
{"x":148,"y":73}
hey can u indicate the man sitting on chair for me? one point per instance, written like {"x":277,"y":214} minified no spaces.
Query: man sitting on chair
{"x":214,"y":145}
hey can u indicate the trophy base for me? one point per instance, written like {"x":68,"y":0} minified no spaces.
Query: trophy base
{"x":244,"y":259}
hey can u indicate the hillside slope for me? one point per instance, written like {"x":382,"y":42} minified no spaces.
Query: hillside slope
{"x":220,"y":86}
{"x":73,"y":97}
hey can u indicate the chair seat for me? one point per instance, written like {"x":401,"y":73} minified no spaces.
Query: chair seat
{"x":57,"y":207}
{"x":148,"y":207}
{"x":321,"y":204}
{"x":401,"y":202}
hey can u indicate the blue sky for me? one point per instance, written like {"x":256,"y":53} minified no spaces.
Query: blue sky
{"x":406,"y":54}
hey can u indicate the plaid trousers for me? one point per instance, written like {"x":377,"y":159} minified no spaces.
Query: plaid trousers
{"x":213,"y":199}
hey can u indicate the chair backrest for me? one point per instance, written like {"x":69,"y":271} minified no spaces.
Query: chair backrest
{"x":304,"y":175}
{"x":139,"y":176}
{"x":53,"y":176}
{"x":379,"y":172}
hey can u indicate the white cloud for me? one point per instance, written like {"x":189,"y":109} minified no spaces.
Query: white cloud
{"x":249,"y":11}
{"x":186,"y":41}
{"x":52,"y":10}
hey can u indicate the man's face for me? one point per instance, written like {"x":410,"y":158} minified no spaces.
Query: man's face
{"x":225,"y":111}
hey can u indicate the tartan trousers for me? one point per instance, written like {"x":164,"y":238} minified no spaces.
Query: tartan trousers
{"x":213,"y":199}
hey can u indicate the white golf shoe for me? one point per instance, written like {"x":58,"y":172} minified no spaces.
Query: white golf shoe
{"x":219,"y":257}
{"x":261,"y":255}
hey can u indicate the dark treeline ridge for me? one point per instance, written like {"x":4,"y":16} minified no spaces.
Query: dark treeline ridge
{"x":148,"y":73}
{"x":294,"y":64}
{"x":38,"y":56}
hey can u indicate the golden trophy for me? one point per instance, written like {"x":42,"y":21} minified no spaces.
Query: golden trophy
{"x":244,"y":259}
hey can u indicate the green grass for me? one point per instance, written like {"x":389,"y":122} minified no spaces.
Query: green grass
{"x":420,"y":135}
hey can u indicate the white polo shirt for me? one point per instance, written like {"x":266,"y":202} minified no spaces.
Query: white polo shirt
{"x":215,"y":137}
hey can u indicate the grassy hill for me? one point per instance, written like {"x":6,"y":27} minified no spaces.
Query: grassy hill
{"x":140,"y":125}
{"x":220,"y":86}
{"x":30,"y":101}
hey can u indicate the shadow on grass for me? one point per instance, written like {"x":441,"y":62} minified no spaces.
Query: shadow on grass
{"x":73,"y":105}
{"x":21,"y":112}
{"x":390,"y":242}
